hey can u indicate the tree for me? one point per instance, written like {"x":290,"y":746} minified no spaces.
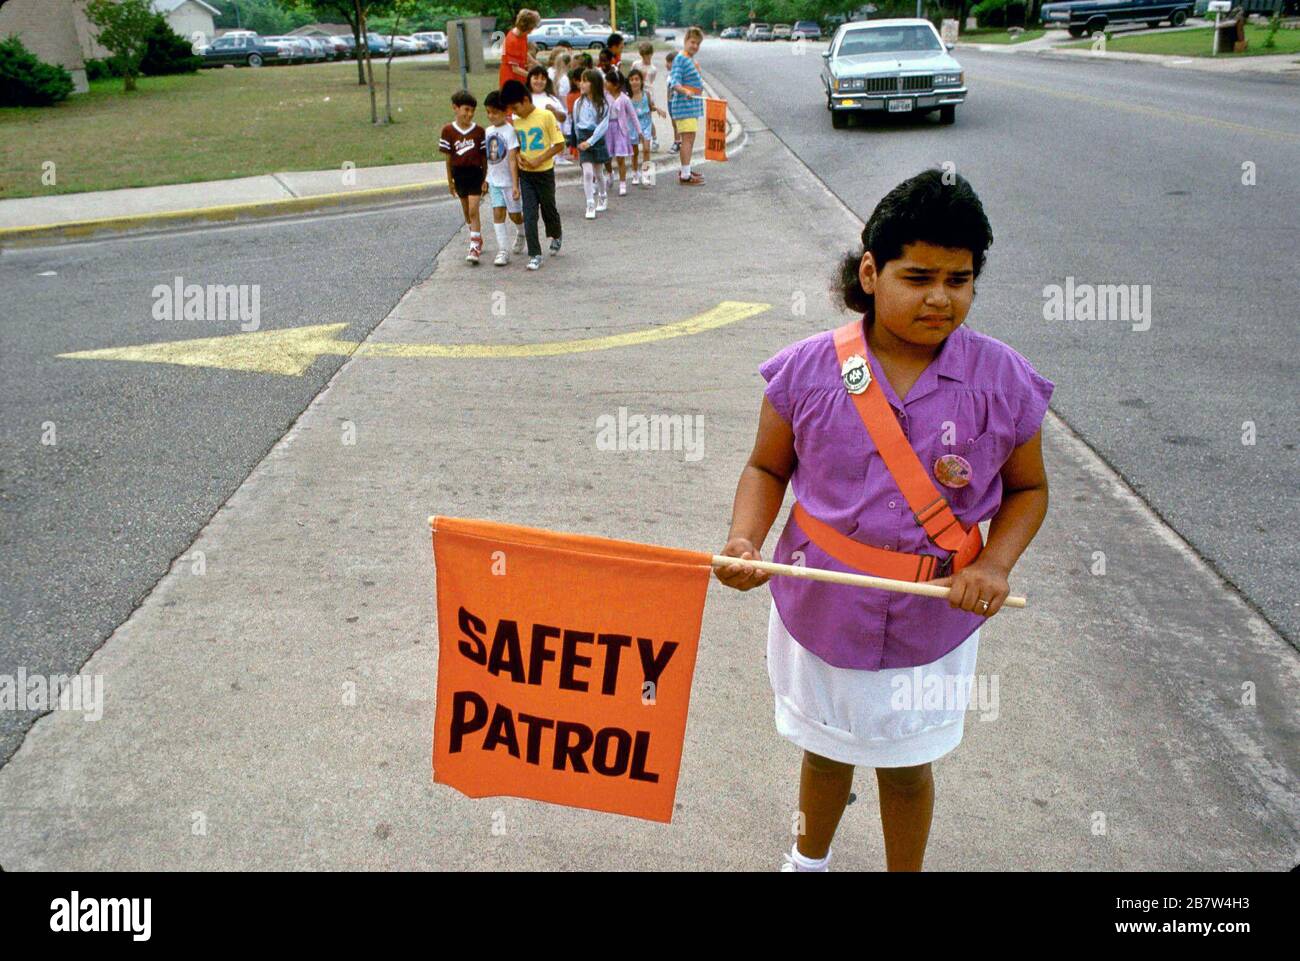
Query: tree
{"x":401,"y":8}
{"x":124,"y":29}
{"x":355,"y":13}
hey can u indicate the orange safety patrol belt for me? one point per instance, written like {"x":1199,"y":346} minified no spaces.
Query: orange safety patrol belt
{"x":930,"y":508}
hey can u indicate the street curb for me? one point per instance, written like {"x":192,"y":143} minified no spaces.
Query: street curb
{"x":1173,"y":61}
{"x":1165,"y":60}
{"x":225,"y":213}
{"x":15,"y":237}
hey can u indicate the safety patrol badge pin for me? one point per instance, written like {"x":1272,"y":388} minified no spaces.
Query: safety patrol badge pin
{"x":952,"y":470}
{"x":856,"y":374}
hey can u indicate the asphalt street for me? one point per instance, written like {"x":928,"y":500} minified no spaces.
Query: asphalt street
{"x":144,"y":454}
{"x":1116,"y":173}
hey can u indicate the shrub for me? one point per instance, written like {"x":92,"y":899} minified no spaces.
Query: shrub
{"x":105,"y":69}
{"x":27,"y":82}
{"x":999,"y":13}
{"x":167,"y":52}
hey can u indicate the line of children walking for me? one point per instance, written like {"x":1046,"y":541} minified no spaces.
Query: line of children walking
{"x":602,"y":117}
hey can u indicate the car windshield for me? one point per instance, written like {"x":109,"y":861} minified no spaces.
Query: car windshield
{"x":888,"y":40}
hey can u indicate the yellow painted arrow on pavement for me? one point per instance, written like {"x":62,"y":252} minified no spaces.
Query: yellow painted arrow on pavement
{"x":293,"y":351}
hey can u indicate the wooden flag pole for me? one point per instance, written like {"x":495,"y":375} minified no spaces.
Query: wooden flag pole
{"x":854,"y":580}
{"x":837,"y":577}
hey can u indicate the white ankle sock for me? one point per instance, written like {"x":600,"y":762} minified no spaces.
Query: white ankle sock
{"x":810,"y":864}
{"x":686,"y":172}
{"x":503,"y":242}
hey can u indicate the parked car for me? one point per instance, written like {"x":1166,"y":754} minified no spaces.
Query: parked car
{"x":290,"y":50}
{"x":806,"y":30}
{"x":782,"y":31}
{"x":759,"y":31}
{"x":561,"y":35}
{"x":340,"y":49}
{"x":434,"y":41}
{"x":312,"y":52}
{"x":894,"y":66}
{"x":347,"y":46}
{"x":577,"y":23}
{"x":731,"y":33}
{"x":1086,"y":17}
{"x":378,"y":44}
{"x":252,"y":51}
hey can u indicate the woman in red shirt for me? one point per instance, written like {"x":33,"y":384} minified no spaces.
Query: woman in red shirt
{"x":515,"y":61}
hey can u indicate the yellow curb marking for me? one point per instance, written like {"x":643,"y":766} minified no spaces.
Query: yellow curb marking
{"x":291,"y":352}
{"x":78,"y":228}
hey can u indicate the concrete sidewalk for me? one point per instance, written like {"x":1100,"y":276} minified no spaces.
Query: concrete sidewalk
{"x":28,"y":220}
{"x":276,"y":711}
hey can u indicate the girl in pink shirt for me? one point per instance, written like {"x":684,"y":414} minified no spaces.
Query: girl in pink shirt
{"x":899,"y":434}
{"x":624,"y":128}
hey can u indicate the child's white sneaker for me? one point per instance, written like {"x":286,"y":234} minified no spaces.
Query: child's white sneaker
{"x":602,"y":203}
{"x":519,"y":243}
{"x":794,"y":861}
{"x":591,"y":210}
{"x":622,"y":188}
{"x":636,"y":178}
{"x":502,"y":258}
{"x":535,"y":263}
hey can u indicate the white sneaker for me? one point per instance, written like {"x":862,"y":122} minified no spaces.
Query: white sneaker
{"x":535,"y":263}
{"x":602,"y":203}
{"x":520,"y":239}
{"x":622,"y":188}
{"x":502,"y":258}
{"x":591,"y":210}
{"x":788,"y":863}
{"x":636,"y":178}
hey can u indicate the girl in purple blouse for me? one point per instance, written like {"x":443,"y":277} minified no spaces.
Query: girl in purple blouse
{"x":846,"y":663}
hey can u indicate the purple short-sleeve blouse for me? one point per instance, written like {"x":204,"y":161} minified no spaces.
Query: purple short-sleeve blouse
{"x":979,"y":399}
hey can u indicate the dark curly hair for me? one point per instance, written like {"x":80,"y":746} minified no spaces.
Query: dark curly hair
{"x":921,"y":209}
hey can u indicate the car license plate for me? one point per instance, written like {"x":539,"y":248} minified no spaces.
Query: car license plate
{"x":900,"y":106}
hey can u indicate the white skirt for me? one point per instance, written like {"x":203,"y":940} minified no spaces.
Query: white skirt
{"x":897,"y":717}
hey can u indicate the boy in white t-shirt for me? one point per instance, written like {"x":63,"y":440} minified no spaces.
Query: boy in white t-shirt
{"x":501,"y":144}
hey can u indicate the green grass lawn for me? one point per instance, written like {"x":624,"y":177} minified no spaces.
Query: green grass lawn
{"x":225,"y":123}
{"x":998,"y":35}
{"x":1197,"y":43}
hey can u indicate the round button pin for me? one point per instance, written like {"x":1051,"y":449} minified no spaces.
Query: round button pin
{"x":856,"y":374}
{"x":952,"y":470}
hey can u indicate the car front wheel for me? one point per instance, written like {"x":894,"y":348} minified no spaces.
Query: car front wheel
{"x":1179,"y":18}
{"x":1076,"y":31}
{"x":839,"y":119}
{"x":254,"y":59}
{"x":948,"y":114}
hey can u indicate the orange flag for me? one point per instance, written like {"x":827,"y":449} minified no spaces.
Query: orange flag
{"x":564,"y":665}
{"x":715,"y":129}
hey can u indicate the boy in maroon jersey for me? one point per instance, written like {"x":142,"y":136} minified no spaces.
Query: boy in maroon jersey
{"x":462,"y":143}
